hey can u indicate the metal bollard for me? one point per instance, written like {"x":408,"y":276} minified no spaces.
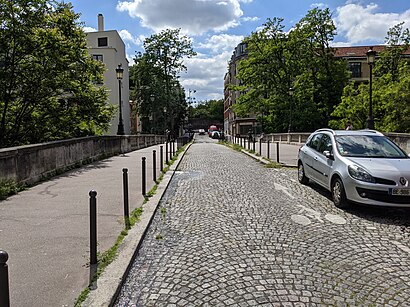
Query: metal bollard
{"x":144,"y":176}
{"x":173,"y":148}
{"x":268,"y":155}
{"x":170,"y":152}
{"x":161,"y":157}
{"x":4,"y":280}
{"x":93,"y":227}
{"x":154,"y":165}
{"x":166,"y":153}
{"x":260,"y":146}
{"x":126,"y":200}
{"x":254,"y":141}
{"x":277,"y":152}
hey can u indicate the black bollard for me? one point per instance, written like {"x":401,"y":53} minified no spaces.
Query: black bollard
{"x":166,"y":153}
{"x":144,"y":176}
{"x":170,"y":152}
{"x":154,"y":165}
{"x":126,"y":200}
{"x":268,"y":155}
{"x":161,"y":157}
{"x":277,"y":152}
{"x":253,"y":141}
{"x":260,"y":146}
{"x":93,"y":227}
{"x":4,"y":280}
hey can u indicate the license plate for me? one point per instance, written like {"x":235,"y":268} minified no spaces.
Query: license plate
{"x":404,"y":192}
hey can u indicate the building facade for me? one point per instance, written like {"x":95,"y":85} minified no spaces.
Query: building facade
{"x":108,"y":47}
{"x":233,"y":124}
{"x":356,"y":59}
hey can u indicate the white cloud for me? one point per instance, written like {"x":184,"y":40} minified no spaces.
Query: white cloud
{"x":250,"y":18}
{"x":89,"y":29}
{"x":361,"y":24}
{"x":128,"y":37}
{"x":206,"y":75}
{"x":319,"y":5}
{"x":192,"y":16}
{"x":221,"y":42}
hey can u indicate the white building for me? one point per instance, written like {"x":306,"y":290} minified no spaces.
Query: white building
{"x":108,"y":47}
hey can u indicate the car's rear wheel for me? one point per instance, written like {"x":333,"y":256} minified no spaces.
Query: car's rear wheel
{"x":339,"y":194}
{"x":301,"y":174}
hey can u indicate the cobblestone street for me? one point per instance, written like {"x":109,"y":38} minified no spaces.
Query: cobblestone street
{"x":231,"y":232}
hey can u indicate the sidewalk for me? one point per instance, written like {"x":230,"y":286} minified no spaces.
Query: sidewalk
{"x":288,"y":153}
{"x":45,"y":229}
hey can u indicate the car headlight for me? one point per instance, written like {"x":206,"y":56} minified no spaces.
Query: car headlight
{"x":360,"y":173}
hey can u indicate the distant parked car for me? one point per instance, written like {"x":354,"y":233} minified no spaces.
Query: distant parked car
{"x":201,"y":131}
{"x":356,"y":167}
{"x":215,"y":135}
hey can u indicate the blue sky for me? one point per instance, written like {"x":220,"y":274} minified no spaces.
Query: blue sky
{"x":217,"y":26}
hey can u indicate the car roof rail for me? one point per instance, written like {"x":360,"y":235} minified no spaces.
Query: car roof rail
{"x":326,"y":129}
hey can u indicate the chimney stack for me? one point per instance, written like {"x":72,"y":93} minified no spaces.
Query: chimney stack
{"x":100,"y":22}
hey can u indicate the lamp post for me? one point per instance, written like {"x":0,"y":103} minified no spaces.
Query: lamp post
{"x":189,"y":95}
{"x":152,"y":117}
{"x":371,"y":56}
{"x":290,"y":109}
{"x":120,"y":74}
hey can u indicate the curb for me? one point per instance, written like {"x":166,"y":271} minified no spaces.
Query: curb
{"x":265,"y":160}
{"x":107,"y":287}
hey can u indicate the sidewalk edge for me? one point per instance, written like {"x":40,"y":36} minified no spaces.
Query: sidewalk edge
{"x":110,"y":282}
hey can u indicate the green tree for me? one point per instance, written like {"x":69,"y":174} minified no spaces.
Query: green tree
{"x":158,"y":92}
{"x":47,"y":79}
{"x":210,"y":109}
{"x":301,"y":60}
{"x":390,"y":90}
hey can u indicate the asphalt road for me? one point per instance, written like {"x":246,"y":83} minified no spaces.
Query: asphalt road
{"x":231,"y":232}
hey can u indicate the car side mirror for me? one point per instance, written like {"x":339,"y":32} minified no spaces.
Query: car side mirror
{"x":328,"y":155}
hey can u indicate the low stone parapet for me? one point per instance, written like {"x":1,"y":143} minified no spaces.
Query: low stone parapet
{"x":32,"y":163}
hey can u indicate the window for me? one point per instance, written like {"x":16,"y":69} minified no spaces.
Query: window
{"x":356,"y":69}
{"x":315,"y":141}
{"x":325,"y":144}
{"x":102,"y":41}
{"x":98,"y":57}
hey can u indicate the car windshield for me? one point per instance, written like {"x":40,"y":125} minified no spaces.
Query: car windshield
{"x":368,"y":146}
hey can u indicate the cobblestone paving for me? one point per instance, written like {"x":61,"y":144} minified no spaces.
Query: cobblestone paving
{"x":231,"y":232}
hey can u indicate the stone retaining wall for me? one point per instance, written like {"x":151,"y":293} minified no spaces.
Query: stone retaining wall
{"x":32,"y":163}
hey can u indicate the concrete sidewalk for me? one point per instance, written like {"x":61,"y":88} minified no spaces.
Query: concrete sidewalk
{"x":45,"y":229}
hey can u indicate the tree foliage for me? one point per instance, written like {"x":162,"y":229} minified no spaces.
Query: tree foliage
{"x":301,"y":60}
{"x":47,"y":78}
{"x":159,"y":96}
{"x":210,"y":109}
{"x":390,"y":90}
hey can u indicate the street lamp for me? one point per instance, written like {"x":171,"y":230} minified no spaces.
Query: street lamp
{"x":371,"y":56}
{"x":290,"y":109}
{"x":189,"y":95}
{"x":120,"y":74}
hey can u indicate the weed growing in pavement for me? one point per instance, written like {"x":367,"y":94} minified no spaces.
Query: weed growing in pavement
{"x":9,"y":187}
{"x":274,"y":165}
{"x":107,"y":257}
{"x":163,"y":212}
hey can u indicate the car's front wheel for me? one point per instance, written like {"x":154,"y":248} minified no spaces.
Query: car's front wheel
{"x":339,"y":194}
{"x":301,"y":174}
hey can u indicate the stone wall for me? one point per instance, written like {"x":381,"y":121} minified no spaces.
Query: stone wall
{"x":33,"y":163}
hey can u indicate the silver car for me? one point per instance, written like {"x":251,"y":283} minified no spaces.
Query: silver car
{"x":361,"y":166}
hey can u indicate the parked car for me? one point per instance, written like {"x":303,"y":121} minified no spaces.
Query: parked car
{"x":215,"y":135}
{"x":356,"y":167}
{"x":201,"y":131}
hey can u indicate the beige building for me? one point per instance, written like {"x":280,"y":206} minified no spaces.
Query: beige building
{"x":108,"y":47}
